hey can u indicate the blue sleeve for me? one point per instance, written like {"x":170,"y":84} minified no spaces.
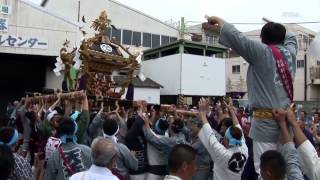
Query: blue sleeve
{"x":290,"y":154}
{"x":96,"y":126}
{"x":161,"y":143}
{"x":249,"y":49}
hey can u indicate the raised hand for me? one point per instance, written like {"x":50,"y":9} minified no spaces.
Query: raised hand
{"x":117,"y":107}
{"x":214,"y":24}
{"x":228,"y":103}
{"x":203,"y":110}
{"x":280,"y":116}
{"x":204,"y":106}
{"x":291,"y":117}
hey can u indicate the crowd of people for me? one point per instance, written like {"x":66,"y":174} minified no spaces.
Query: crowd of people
{"x":68,"y":139}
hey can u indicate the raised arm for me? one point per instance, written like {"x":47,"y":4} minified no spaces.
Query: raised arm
{"x":231,"y":37}
{"x":233,"y":115}
{"x":310,"y":162}
{"x":55,"y":104}
{"x":161,"y":143}
{"x":96,"y":124}
{"x":216,"y":150}
{"x":288,"y":150}
{"x":83,"y":121}
{"x":298,"y":134}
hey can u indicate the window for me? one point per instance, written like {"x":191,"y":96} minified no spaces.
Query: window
{"x":236,"y":69}
{"x":117,"y":34}
{"x":195,"y":51}
{"x":136,"y":38}
{"x":155,"y":40}
{"x":173,"y":39}
{"x":146,"y":39}
{"x":209,"y":39}
{"x":303,"y":42}
{"x":300,"y":63}
{"x":165,"y":40}
{"x":126,"y":37}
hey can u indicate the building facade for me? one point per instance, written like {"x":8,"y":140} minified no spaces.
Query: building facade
{"x":186,"y":68}
{"x":31,"y":38}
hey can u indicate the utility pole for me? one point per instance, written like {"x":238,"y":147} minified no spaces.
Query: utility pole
{"x":182,"y":28}
{"x":305,"y":75}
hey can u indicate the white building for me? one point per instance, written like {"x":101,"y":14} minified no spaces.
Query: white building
{"x":31,"y":37}
{"x":147,"y":90}
{"x":187,"y":68}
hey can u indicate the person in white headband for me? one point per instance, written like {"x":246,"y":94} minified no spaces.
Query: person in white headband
{"x":125,"y":159}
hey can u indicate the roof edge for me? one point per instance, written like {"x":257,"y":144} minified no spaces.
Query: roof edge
{"x":144,"y":14}
{"x":52,"y":13}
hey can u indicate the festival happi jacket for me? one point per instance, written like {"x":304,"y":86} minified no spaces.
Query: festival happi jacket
{"x":265,"y":87}
{"x":228,"y":163}
{"x":78,"y":156}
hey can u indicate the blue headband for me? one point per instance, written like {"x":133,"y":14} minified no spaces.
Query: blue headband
{"x":64,"y":137}
{"x":75,"y":115}
{"x":160,"y":131}
{"x":13,"y":139}
{"x":232,"y":140}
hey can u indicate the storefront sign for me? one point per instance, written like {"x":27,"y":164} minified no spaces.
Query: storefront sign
{"x":5,"y":9}
{"x":4,"y":24}
{"x":23,"y":42}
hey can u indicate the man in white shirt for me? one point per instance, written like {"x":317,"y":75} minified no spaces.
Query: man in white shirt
{"x":104,"y":159}
{"x":230,"y":157}
{"x":181,"y":163}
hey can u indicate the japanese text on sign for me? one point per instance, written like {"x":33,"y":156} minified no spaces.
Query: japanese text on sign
{"x":23,"y":42}
{"x":5,"y":9}
{"x":4,"y":25}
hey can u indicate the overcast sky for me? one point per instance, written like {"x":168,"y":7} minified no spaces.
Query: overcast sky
{"x":235,"y":11}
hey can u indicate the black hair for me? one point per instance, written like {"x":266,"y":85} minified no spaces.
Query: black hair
{"x":305,"y":113}
{"x":225,"y":121}
{"x":273,"y":33}
{"x":275,"y":163}
{"x":4,"y":120}
{"x":179,"y":154}
{"x":157,"y":107}
{"x":177,"y":125}
{"x":110,"y":126}
{"x":6,"y":134}
{"x":6,"y":162}
{"x":66,"y":127}
{"x":130,"y":122}
{"x":236,"y":132}
{"x":163,"y":125}
{"x":59,"y":110}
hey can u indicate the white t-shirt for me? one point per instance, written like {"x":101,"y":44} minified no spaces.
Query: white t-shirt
{"x":228,"y":163}
{"x":95,"y":173}
{"x":310,"y":161}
